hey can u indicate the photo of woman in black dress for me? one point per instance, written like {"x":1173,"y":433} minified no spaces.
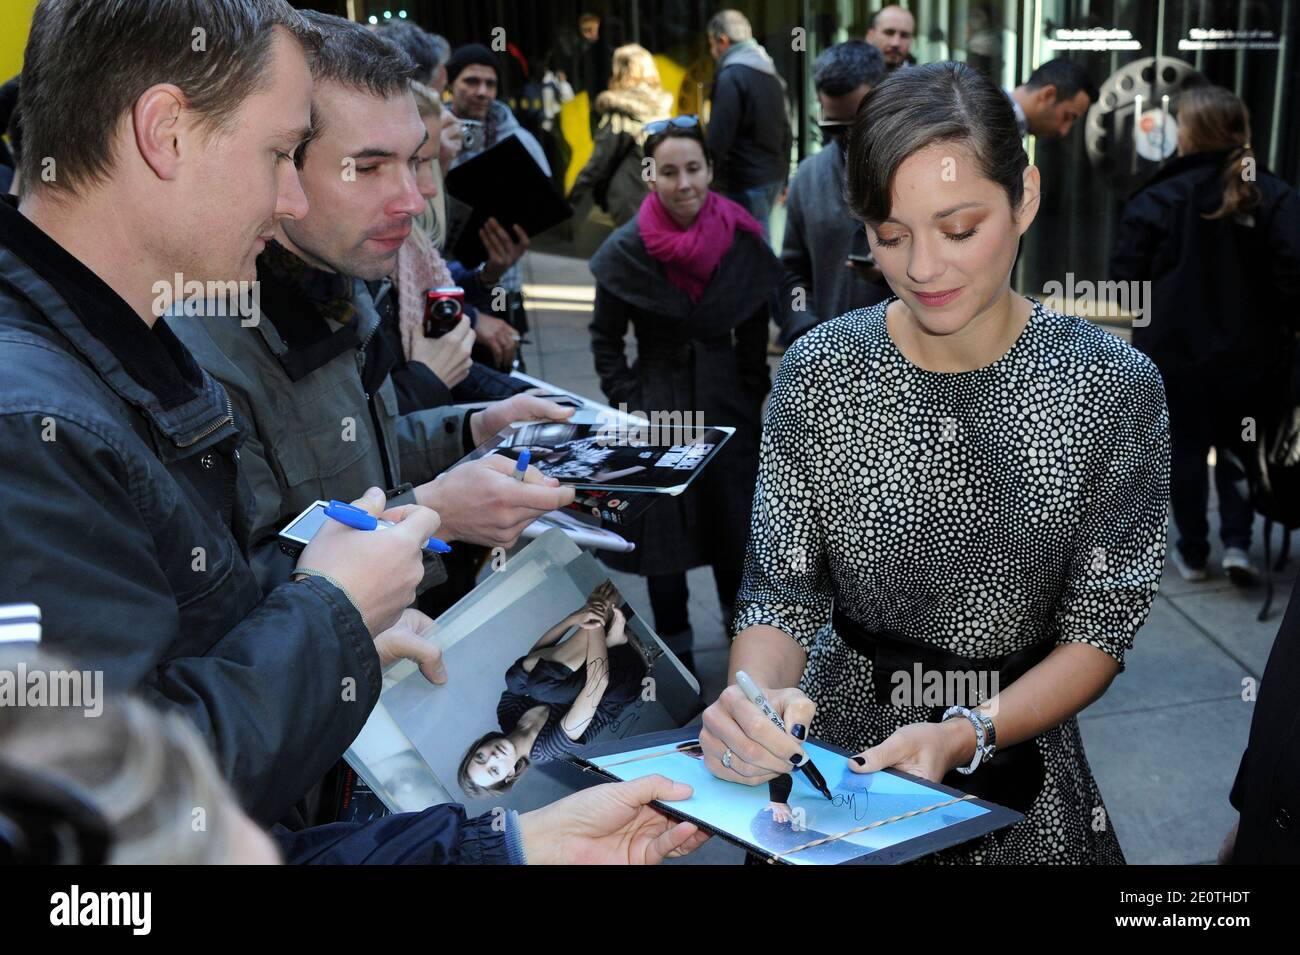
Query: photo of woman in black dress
{"x":575,"y":682}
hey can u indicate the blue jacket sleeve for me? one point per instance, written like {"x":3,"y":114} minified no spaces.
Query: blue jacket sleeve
{"x":440,"y":835}
{"x":419,"y":388}
{"x":475,"y":294}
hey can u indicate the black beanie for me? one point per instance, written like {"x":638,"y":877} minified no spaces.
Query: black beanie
{"x":469,"y":55}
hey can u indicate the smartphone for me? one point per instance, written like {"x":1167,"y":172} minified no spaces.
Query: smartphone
{"x":443,"y":308}
{"x":297,"y":534}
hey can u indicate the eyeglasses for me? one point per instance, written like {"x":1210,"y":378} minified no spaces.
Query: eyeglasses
{"x":680,"y":122}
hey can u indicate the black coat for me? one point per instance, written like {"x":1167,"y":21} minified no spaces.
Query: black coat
{"x":1221,"y":290}
{"x":708,"y":358}
{"x":1267,"y":789}
{"x":749,"y":130}
{"x":125,"y":522}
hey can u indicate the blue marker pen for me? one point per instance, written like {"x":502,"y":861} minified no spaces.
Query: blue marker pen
{"x":521,"y":466}
{"x":356,"y":518}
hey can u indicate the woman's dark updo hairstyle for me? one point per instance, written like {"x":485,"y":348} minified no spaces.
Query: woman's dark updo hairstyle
{"x":695,"y":132}
{"x":471,"y":788}
{"x":919,"y":106}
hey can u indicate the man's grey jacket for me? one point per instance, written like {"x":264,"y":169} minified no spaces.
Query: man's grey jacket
{"x":316,"y":429}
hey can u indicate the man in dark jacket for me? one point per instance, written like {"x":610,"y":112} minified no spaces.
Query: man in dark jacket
{"x":749,"y":129}
{"x":827,"y":267}
{"x":473,"y":79}
{"x":124,"y":515}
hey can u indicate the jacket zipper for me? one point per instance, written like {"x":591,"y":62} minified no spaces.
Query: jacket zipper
{"x":370,"y":404}
{"x":216,"y":425}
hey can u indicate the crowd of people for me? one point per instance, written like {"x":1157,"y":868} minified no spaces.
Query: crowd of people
{"x":945,"y":471}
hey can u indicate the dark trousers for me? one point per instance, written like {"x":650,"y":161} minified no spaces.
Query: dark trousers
{"x":1203,"y":416}
{"x":670,"y":596}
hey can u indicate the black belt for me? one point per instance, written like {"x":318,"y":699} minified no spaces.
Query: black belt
{"x":1014,"y":776}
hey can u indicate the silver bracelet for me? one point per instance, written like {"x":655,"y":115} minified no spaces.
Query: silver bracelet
{"x":985,"y":736}
{"x":308,"y":572}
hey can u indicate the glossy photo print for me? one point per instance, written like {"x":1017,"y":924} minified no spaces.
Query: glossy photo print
{"x":652,"y":459}
{"x":872,"y":817}
{"x":543,"y":658}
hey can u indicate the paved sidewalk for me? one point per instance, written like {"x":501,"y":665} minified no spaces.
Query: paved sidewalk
{"x":1165,"y":740}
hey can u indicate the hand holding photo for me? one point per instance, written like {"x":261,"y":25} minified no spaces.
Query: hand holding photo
{"x":545,"y":657}
{"x":663,"y":460}
{"x":871,"y":818}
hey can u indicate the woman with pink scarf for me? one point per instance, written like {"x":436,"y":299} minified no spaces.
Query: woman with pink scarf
{"x":693,"y":276}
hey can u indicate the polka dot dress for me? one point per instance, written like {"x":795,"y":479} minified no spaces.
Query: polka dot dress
{"x":983,"y":511}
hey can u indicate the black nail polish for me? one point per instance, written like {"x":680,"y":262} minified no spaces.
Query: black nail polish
{"x":797,"y":759}
{"x":798,"y":731}
{"x":860,"y":760}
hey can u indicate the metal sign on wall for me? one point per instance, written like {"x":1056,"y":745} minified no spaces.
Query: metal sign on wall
{"x":1132,"y":129}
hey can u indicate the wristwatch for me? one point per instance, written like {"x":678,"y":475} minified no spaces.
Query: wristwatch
{"x":986,"y":736}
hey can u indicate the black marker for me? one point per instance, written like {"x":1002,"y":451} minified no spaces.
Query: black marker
{"x":755,"y":696}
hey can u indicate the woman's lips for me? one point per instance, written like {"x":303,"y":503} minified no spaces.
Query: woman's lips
{"x":936,"y":299}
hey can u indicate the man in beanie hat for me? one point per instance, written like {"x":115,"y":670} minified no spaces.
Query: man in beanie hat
{"x":473,"y":78}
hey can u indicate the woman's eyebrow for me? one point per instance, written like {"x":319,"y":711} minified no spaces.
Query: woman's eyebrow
{"x":423,"y":142}
{"x":944,"y":213}
{"x":295,"y":136}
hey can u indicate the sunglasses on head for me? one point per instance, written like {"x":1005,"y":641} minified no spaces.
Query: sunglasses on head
{"x":680,"y":122}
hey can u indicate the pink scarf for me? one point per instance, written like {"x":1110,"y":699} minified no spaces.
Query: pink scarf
{"x":691,"y":255}
{"x":419,"y":268}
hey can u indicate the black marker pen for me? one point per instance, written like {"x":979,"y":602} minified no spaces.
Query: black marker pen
{"x":755,"y":696}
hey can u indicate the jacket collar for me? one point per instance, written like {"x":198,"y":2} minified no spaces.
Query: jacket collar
{"x":744,"y":279}
{"x":747,"y":53}
{"x":1183,"y":164}
{"x":311,"y":316}
{"x":1022,"y":121}
{"x":147,"y":368}
{"x":638,"y":103}
{"x":499,"y":123}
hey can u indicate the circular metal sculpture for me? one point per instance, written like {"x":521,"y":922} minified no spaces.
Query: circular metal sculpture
{"x":1132,"y":129}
